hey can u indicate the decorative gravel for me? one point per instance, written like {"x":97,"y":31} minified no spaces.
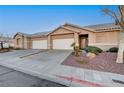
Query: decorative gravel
{"x":103,"y":62}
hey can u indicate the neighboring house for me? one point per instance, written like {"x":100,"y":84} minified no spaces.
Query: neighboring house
{"x":102,"y":35}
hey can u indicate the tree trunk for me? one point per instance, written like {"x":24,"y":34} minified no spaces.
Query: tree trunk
{"x":120,"y":55}
{"x":1,"y":44}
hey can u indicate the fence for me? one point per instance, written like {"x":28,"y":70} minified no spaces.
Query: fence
{"x":5,"y":45}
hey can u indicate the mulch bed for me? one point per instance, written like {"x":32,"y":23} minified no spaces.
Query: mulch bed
{"x":103,"y":62}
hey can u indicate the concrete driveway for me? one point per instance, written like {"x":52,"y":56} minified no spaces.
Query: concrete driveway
{"x":35,"y":58}
{"x":48,"y":56}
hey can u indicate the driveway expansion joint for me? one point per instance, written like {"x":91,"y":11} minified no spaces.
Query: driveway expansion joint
{"x":33,"y":54}
{"x":6,"y":72}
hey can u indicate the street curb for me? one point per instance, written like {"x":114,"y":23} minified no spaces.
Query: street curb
{"x":39,"y":75}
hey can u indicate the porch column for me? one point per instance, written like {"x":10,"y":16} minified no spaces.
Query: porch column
{"x":76,"y":39}
{"x":49,"y":42}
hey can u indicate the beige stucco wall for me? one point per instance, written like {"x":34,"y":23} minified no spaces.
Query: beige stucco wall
{"x":24,"y":42}
{"x":106,"y":37}
{"x":61,"y":31}
{"x":62,"y":36}
{"x":27,"y":43}
{"x":39,"y":38}
{"x":84,"y":32}
{"x":18,"y":36}
{"x":106,"y":40}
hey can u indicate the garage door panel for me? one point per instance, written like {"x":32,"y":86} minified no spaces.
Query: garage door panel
{"x":40,"y":44}
{"x":62,"y":43}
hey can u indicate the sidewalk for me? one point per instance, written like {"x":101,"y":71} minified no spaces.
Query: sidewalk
{"x":69,"y":76}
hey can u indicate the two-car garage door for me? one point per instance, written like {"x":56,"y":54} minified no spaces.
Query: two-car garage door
{"x":56,"y":44}
{"x":39,"y":44}
{"x":62,"y":43}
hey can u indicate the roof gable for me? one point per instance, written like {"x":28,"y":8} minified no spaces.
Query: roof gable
{"x":62,"y":27}
{"x":23,"y":34}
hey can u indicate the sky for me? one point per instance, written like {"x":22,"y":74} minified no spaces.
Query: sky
{"x":33,"y":19}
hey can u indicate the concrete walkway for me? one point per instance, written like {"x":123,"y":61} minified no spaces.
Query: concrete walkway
{"x":47,"y":65}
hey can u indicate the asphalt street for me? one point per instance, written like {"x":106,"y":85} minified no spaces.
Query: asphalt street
{"x":12,"y":78}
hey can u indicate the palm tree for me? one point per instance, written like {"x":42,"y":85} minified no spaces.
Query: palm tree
{"x":119,"y":19}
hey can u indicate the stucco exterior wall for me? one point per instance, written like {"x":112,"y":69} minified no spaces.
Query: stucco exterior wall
{"x":19,"y":39}
{"x":24,"y":42}
{"x":63,"y":36}
{"x":84,"y":32}
{"x":61,"y":31}
{"x":106,"y":37}
{"x":29,"y":43}
{"x":106,"y":40}
{"x":39,"y":38}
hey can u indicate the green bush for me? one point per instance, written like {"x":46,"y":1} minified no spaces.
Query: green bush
{"x":93,"y":49}
{"x":113,"y":49}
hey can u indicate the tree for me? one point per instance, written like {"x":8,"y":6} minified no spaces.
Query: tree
{"x":118,"y":16}
{"x":3,"y":39}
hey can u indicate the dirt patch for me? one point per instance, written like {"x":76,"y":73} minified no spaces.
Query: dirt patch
{"x":103,"y":62}
{"x":4,"y":50}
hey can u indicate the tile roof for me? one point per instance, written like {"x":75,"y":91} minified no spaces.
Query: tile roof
{"x":40,"y":33}
{"x":94,"y":28}
{"x":104,"y":27}
{"x":35,"y":34}
{"x":81,"y":27}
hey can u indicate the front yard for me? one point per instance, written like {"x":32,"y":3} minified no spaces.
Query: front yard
{"x":104,"y":61}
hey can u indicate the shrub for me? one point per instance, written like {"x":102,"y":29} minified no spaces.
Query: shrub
{"x":113,"y":49}
{"x":93,"y":49}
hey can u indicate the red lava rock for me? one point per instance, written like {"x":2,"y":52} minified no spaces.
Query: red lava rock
{"x":102,"y":62}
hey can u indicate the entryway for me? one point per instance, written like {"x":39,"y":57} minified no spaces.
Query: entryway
{"x":83,"y":41}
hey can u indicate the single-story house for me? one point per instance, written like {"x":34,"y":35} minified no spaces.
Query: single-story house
{"x":102,"y":35}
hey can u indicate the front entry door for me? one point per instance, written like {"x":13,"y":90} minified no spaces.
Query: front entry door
{"x":83,"y":42}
